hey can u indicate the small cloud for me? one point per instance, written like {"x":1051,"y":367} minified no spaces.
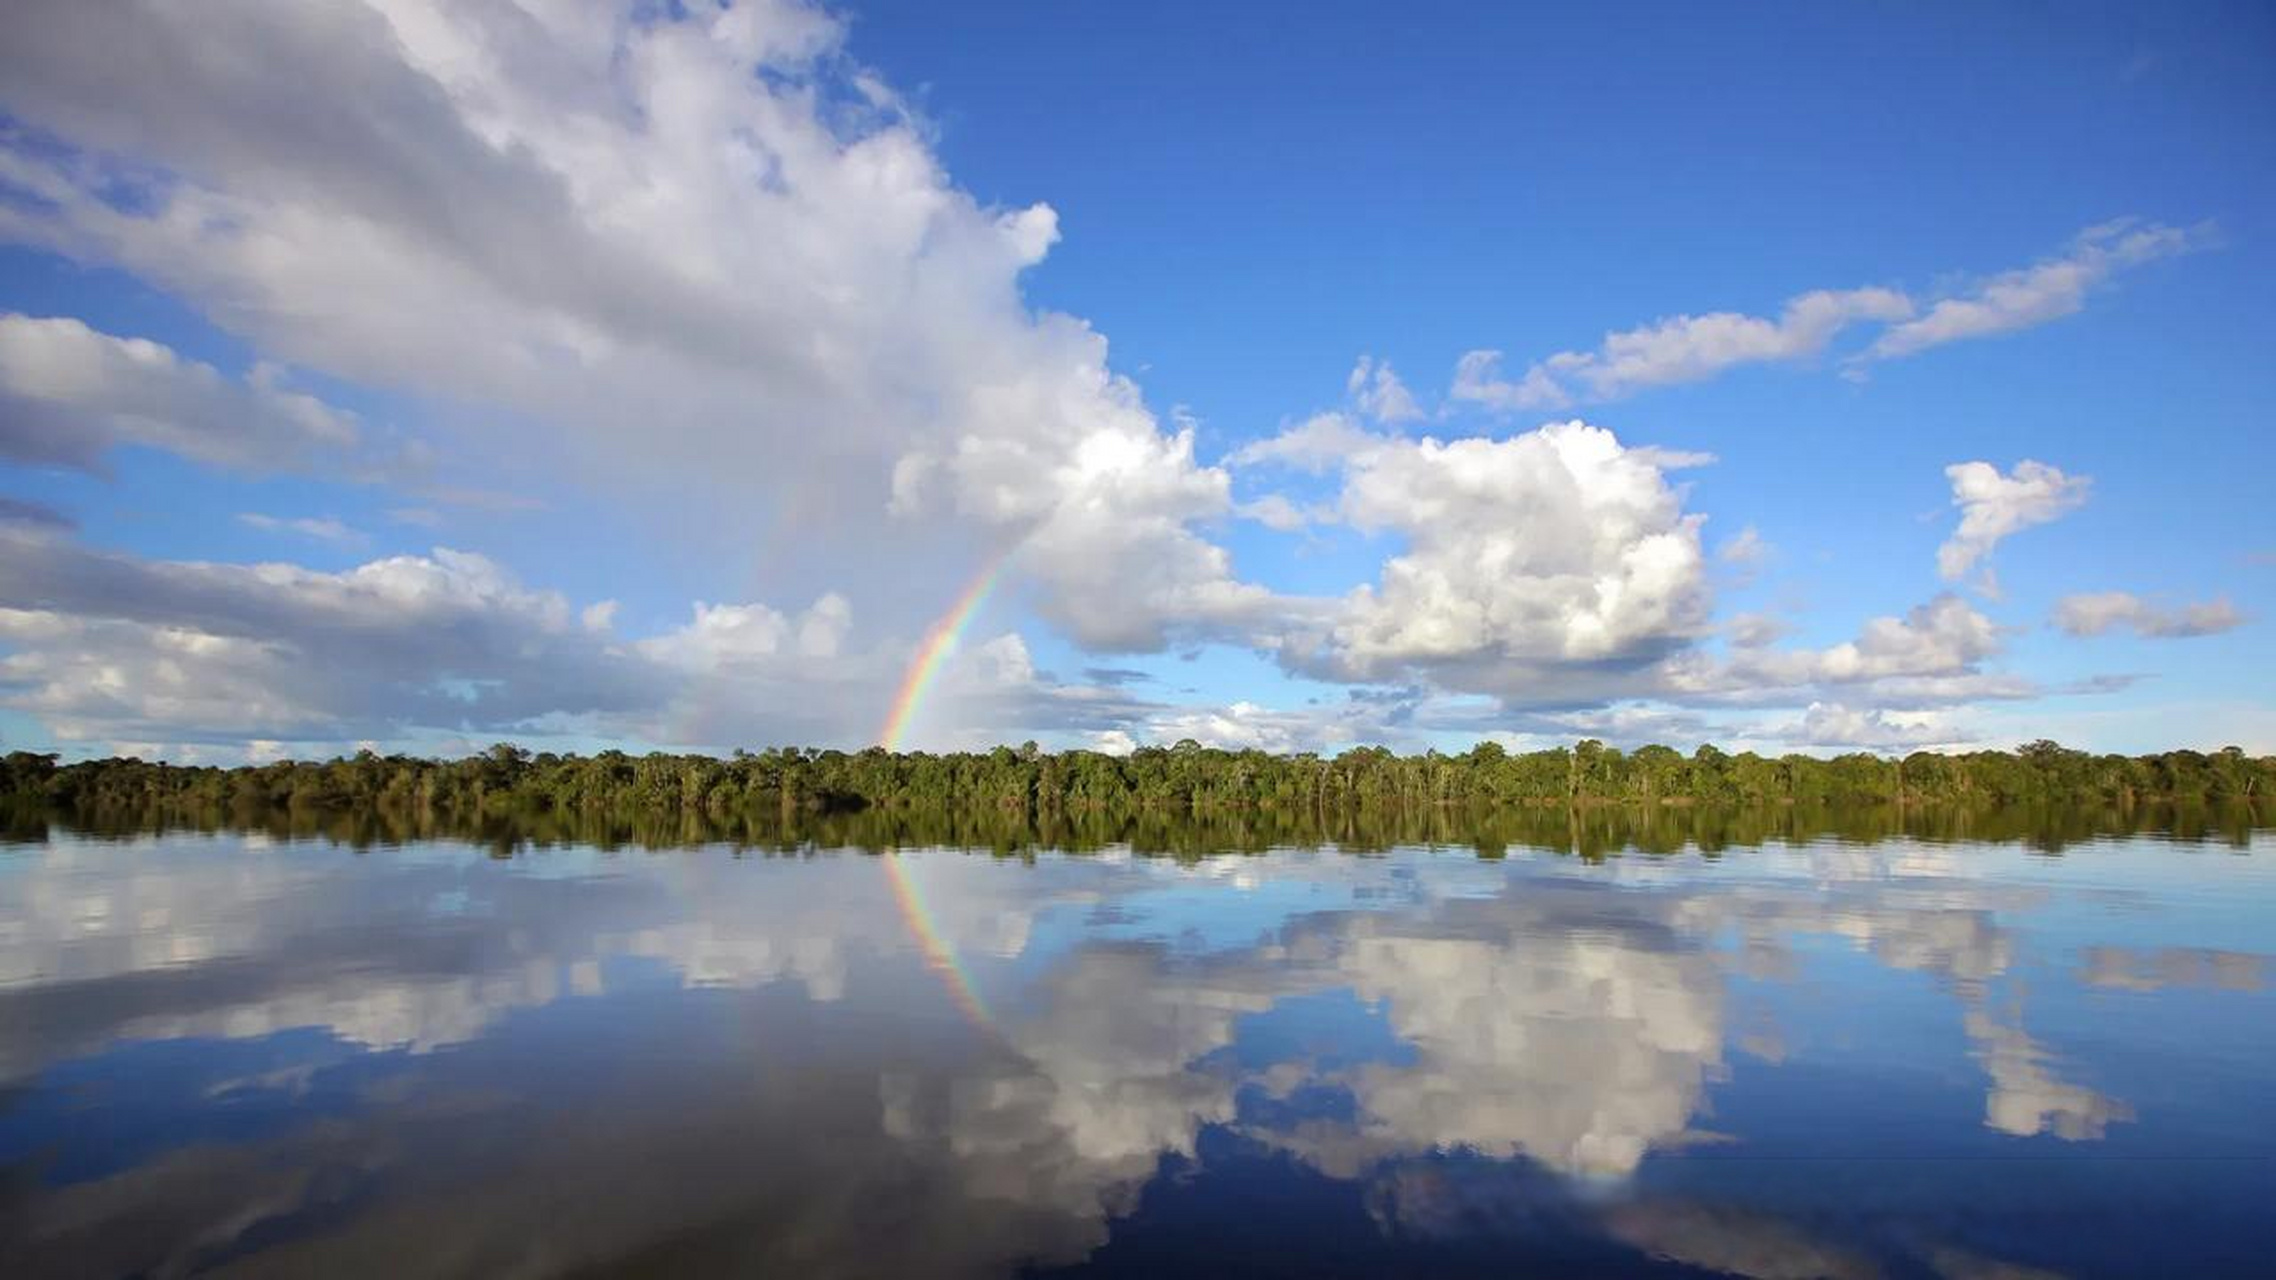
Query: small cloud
{"x":2037,"y":294}
{"x":1379,"y":393}
{"x":1282,"y":515}
{"x":1757,"y":630}
{"x":38,"y":515}
{"x":1114,"y":676}
{"x":1748,"y":549}
{"x":418,"y":517}
{"x":1993,"y":505}
{"x":1113,"y":742}
{"x":1825,"y":724}
{"x":322,"y":528}
{"x":2097,"y":613}
{"x":1478,"y":380}
{"x":1318,"y":444}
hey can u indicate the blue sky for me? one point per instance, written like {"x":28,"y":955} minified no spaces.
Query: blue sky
{"x":660,"y":376}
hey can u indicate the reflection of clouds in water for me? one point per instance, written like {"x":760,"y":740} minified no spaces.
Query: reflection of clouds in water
{"x":1578,"y":1032}
{"x":2128,"y":969}
{"x":1453,"y":1199}
{"x":1563,"y":1023}
{"x":1110,"y":1075}
{"x":415,"y":1014}
{"x":1565,"y":1014}
{"x":1734,"y":1242}
{"x":1950,"y":930}
{"x":2026,"y":1098}
{"x":1567,"y":1021}
{"x":757,"y":1158}
{"x":183,"y":937}
{"x":74,"y":911}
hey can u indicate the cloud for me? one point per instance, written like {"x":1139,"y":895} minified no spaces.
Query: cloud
{"x":1245,"y":726}
{"x":1478,"y":380}
{"x":1676,"y":349}
{"x":2097,"y":613}
{"x":2035,"y":295}
{"x":69,"y":395}
{"x":1932,"y":654}
{"x":1993,"y":505}
{"x":778,"y":287}
{"x":111,"y":648}
{"x":1747,"y":548}
{"x":1551,"y":550}
{"x":1756,"y":630}
{"x":726,"y":634}
{"x":108,"y":647}
{"x":1379,"y":394}
{"x":37,"y":515}
{"x":321,"y":528}
{"x":1274,"y":511}
{"x":1319,"y":444}
{"x":1693,"y":348}
{"x":1871,"y":729}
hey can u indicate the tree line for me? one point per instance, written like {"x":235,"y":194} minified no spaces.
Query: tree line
{"x":1588,"y":831}
{"x":1186,"y":777}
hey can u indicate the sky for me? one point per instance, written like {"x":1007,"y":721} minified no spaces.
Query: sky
{"x":417,"y":374}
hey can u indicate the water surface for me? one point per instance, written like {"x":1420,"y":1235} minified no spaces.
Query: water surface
{"x":231,"y":1053}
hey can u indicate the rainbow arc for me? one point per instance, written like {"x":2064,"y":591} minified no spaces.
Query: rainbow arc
{"x":908,"y":893}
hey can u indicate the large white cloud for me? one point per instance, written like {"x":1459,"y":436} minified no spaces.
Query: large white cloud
{"x":1551,"y":550}
{"x":775,"y":285}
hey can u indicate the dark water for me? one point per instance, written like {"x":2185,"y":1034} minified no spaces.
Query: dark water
{"x":238,"y":1054}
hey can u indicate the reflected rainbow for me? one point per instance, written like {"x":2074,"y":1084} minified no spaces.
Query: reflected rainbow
{"x":939,"y":956}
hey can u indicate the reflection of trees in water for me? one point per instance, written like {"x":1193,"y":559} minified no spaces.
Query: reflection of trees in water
{"x":1587,"y":830}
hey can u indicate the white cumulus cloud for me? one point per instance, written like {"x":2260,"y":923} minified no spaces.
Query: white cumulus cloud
{"x":1994,"y":505}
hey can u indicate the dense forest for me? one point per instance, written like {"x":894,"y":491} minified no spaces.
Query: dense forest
{"x":1186,"y":778}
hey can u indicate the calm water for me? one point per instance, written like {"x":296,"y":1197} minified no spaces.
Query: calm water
{"x":242,"y":1055}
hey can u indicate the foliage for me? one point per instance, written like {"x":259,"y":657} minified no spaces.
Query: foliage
{"x":1186,"y":778}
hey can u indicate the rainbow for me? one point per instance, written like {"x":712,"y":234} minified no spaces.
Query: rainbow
{"x":939,"y":956}
{"x":936,"y":646}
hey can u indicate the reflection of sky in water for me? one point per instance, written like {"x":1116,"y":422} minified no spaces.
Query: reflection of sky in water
{"x":291,"y":1058}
